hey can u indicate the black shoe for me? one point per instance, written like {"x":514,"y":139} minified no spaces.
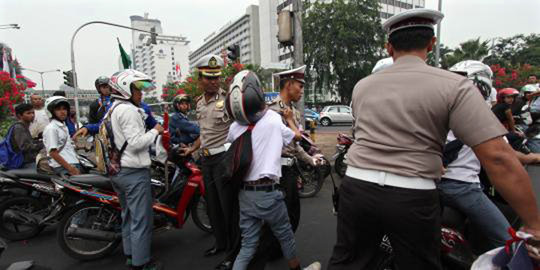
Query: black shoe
{"x":225,"y":265}
{"x":212,"y":251}
{"x":152,"y":265}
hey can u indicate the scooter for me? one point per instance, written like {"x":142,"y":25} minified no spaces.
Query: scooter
{"x":343,"y":144}
{"x":311,"y":178}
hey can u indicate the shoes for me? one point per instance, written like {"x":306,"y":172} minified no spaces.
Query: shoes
{"x":152,"y":265}
{"x":212,"y":251}
{"x":314,"y":266}
{"x":225,"y":265}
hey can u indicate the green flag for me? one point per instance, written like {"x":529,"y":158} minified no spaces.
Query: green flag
{"x":126,"y":61}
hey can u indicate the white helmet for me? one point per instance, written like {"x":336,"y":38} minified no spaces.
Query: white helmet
{"x":245,"y":101}
{"x":529,"y":88}
{"x":53,"y":102}
{"x":121,"y":81}
{"x":472,"y":69}
{"x":382,"y":64}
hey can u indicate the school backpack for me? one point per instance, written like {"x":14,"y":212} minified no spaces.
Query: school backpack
{"x":107,"y":154}
{"x":10,"y":159}
{"x":238,"y":157}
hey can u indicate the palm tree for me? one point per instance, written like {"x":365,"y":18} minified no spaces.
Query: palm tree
{"x":473,"y":49}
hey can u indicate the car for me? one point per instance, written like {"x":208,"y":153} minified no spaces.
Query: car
{"x":335,"y":114}
{"x":311,"y":117}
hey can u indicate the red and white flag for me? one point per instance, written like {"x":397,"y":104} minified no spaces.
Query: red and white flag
{"x":178,"y":73}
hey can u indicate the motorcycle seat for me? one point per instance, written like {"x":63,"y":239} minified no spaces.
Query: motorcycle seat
{"x":30,"y":174}
{"x":94,"y":180}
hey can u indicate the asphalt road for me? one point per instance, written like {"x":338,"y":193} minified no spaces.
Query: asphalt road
{"x":334,"y":128}
{"x":184,"y":248}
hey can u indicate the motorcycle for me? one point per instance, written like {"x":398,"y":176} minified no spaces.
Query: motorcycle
{"x":91,"y":229}
{"x":343,"y":144}
{"x":310,"y":178}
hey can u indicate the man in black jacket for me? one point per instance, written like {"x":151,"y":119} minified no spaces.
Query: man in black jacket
{"x":98,"y":107}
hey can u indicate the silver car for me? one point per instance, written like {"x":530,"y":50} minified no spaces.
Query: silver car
{"x":335,"y":114}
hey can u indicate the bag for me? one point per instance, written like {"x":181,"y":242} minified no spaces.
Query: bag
{"x":238,"y":157}
{"x":107,"y":154}
{"x":10,"y":159}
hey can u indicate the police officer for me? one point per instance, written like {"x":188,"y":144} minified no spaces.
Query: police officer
{"x":221,"y":196}
{"x":182,"y":130}
{"x":402,"y":116}
{"x":291,"y":90}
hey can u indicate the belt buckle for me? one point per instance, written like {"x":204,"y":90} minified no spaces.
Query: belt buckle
{"x":206,"y":152}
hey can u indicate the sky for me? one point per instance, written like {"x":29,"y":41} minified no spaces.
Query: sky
{"x":43,"y":42}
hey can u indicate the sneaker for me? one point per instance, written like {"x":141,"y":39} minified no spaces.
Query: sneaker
{"x":314,"y":266}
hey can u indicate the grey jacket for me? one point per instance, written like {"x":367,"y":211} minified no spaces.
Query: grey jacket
{"x":21,"y":140}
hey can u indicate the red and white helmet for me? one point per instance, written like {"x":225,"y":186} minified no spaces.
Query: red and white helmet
{"x":506,"y":92}
{"x":121,"y":82}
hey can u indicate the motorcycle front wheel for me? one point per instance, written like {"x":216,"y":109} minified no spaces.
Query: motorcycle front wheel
{"x":90,"y":231}
{"x":312,"y":179}
{"x":199,"y":214}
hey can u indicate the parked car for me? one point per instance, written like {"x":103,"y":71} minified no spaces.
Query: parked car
{"x":310,"y":116}
{"x":335,"y":114}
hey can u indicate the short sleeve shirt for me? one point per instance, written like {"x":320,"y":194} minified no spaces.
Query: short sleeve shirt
{"x":404,"y":113}
{"x":267,"y":139}
{"x":213,"y":120}
{"x":56,"y":136}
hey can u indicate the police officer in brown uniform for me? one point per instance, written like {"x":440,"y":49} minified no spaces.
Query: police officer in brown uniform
{"x":291,"y":90}
{"x":402,"y":116}
{"x":214,"y":123}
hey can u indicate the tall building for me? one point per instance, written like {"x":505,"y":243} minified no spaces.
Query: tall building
{"x":244,"y":31}
{"x":274,"y":55}
{"x":166,"y":61}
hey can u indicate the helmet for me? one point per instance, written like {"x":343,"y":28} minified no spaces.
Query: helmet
{"x":529,"y":88}
{"x":245,"y":101}
{"x":506,"y":92}
{"x":179,"y":99}
{"x":478,"y":72}
{"x":382,"y":64}
{"x":53,"y":102}
{"x":121,"y":83}
{"x":101,"y":80}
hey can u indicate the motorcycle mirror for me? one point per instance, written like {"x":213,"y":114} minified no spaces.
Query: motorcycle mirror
{"x":525,"y":108}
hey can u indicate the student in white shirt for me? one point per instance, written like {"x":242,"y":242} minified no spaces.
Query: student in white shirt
{"x":56,"y":138}
{"x":259,"y":196}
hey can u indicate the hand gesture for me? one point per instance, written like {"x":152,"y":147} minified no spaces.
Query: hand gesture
{"x":81,"y":132}
{"x":159,"y":128}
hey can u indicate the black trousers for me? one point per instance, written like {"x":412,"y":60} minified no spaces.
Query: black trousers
{"x":269,"y":247}
{"x":223,"y":210}
{"x":367,"y":211}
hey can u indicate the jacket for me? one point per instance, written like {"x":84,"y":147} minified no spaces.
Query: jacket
{"x":182,"y":130}
{"x":21,"y":140}
{"x":150,"y":121}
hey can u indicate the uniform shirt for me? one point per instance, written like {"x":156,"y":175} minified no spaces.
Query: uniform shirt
{"x":292,"y":149}
{"x":41,"y":120}
{"x":182,"y":130}
{"x":466,"y":167}
{"x":404,"y":113}
{"x":127,"y":121}
{"x":213,"y":119}
{"x":56,"y":136}
{"x":267,"y":139}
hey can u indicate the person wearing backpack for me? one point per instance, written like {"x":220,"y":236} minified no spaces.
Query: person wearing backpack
{"x":60,"y":148}
{"x":260,"y":199}
{"x":18,"y":148}
{"x":132,"y":183}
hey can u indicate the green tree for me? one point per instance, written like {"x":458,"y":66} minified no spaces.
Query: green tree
{"x":516,"y":50}
{"x":443,"y":57}
{"x":342,"y":42}
{"x":473,"y":49}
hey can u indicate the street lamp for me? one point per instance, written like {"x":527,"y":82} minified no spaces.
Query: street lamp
{"x":9,"y":26}
{"x":153,"y":36}
{"x":41,"y":74}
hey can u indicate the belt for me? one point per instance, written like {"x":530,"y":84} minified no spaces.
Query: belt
{"x":389,"y":179}
{"x":267,"y":188}
{"x":213,"y":151}
{"x":260,"y":182}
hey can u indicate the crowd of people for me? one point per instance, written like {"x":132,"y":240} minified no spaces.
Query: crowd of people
{"x":422,"y":135}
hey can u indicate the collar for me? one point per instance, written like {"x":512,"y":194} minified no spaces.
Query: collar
{"x":216,"y":97}
{"x":283,"y":104}
{"x":58,"y":123}
{"x":409,"y":59}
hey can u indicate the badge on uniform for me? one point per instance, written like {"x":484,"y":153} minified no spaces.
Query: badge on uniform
{"x":220,"y":104}
{"x":206,"y":153}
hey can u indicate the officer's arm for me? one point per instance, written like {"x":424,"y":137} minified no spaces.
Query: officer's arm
{"x":509,"y":178}
{"x":196,"y":145}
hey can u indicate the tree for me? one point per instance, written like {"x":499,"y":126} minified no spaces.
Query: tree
{"x":443,"y":57}
{"x":473,"y":49}
{"x":516,"y":50}
{"x":342,"y":42}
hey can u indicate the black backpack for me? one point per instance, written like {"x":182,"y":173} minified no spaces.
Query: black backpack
{"x":238,"y":157}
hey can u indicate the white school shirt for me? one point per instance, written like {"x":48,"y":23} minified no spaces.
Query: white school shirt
{"x":268,"y":137}
{"x":56,"y":135}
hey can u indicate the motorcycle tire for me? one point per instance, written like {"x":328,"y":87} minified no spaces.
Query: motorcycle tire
{"x":339,"y":166}
{"x":66,"y":223}
{"x":315,"y":178}
{"x":10,"y":228}
{"x":199,"y":214}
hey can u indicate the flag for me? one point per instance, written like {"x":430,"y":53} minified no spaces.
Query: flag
{"x":126,"y":61}
{"x":178,"y":73}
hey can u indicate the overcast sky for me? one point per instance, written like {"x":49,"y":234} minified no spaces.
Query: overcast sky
{"x":43,"y":42}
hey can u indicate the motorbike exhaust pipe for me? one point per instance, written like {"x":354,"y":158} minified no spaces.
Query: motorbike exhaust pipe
{"x":92,"y":234}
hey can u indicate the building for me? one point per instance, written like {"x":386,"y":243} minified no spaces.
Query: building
{"x":166,"y":61}
{"x":244,"y":31}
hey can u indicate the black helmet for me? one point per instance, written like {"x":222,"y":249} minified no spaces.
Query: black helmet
{"x":179,"y":99}
{"x":101,"y":80}
{"x":245,"y":101}
{"x":55,"y":101}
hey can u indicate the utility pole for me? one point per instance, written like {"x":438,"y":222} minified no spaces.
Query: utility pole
{"x":438,"y":47}
{"x":298,"y":45}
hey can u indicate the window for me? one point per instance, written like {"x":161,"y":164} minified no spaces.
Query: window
{"x":333,"y":109}
{"x":344,"y":110}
